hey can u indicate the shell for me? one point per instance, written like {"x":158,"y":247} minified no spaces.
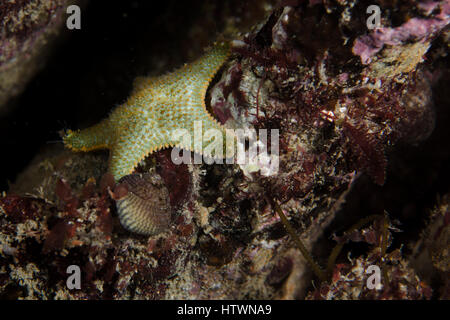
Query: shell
{"x":145,"y":208}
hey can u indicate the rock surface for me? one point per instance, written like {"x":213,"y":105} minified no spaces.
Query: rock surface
{"x":28,"y":31}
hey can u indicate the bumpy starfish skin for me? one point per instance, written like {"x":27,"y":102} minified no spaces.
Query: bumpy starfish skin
{"x":157,"y":106}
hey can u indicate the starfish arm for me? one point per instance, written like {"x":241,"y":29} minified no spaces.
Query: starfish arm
{"x":103,"y":134}
{"x":92,"y":138}
{"x":126,"y":155}
{"x":206,"y":66}
{"x":121,"y":160}
{"x":201,"y":71}
{"x":142,"y":137}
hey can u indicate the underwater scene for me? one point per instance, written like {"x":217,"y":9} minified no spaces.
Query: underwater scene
{"x":225,"y":150}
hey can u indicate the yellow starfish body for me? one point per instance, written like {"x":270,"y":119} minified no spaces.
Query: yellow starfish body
{"x":157,"y":106}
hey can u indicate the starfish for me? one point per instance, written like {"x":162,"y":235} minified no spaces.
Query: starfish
{"x":156,"y":108}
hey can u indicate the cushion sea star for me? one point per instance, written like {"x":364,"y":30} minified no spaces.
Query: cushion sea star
{"x":156,"y":107}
